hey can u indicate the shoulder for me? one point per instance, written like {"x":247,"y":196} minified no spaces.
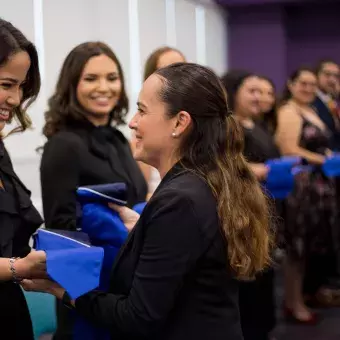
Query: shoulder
{"x":64,"y":141}
{"x":65,"y":137}
{"x":288,"y":112}
{"x":186,"y":194}
{"x":63,"y":147}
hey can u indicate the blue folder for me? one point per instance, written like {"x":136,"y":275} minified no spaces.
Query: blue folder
{"x":331,"y":167}
{"x":103,"y":194}
{"x":280,"y":179}
{"x":71,"y":261}
{"x":102,"y":232}
{"x":105,"y":229}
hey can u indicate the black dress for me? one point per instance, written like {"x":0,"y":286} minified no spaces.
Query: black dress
{"x":312,"y":218}
{"x":18,"y":221}
{"x":257,"y":305}
{"x":83,"y":154}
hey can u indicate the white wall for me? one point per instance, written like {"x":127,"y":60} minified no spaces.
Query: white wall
{"x":133,"y":28}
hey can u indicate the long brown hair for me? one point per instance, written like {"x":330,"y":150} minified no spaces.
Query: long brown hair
{"x":213,"y":150}
{"x":151,"y":64}
{"x":13,"y":41}
{"x":63,"y":105}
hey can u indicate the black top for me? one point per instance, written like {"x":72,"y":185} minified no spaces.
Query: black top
{"x":171,"y":279}
{"x":259,"y":144}
{"x":18,"y":217}
{"x":18,"y":221}
{"x":83,"y":155}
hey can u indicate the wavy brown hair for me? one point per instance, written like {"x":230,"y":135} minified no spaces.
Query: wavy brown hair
{"x":64,"y":106}
{"x":151,"y":64}
{"x":213,"y":150}
{"x":13,"y":41}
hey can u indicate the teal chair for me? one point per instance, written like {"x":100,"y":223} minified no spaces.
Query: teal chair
{"x":42,"y":310}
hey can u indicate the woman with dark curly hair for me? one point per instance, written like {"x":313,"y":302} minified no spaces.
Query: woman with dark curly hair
{"x":84,"y":146}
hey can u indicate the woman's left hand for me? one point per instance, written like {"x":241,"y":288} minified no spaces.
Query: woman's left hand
{"x":127,"y":215}
{"x":43,"y":286}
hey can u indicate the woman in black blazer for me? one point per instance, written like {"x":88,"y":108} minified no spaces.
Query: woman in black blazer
{"x":206,"y":225}
{"x":84,"y":146}
{"x":19,"y":86}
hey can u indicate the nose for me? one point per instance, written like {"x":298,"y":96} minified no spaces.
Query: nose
{"x":14,"y":98}
{"x":103,"y":85}
{"x":133,"y":122}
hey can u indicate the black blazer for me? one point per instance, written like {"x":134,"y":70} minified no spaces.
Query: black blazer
{"x":82,"y":155}
{"x":18,"y":221}
{"x":327,"y":118}
{"x":171,"y":279}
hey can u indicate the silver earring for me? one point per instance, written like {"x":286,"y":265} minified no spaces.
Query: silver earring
{"x":173,"y":134}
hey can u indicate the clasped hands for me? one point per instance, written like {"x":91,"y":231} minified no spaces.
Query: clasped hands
{"x":32,"y":268}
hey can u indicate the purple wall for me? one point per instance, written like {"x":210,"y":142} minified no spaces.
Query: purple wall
{"x":313,"y":33}
{"x":275,"y":39}
{"x":252,"y":34}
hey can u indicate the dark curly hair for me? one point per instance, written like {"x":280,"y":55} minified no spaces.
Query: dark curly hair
{"x":13,"y":41}
{"x":64,"y":107}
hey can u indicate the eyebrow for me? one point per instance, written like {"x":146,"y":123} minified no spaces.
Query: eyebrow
{"x":95,"y":74}
{"x":139,"y":104}
{"x":12,"y":80}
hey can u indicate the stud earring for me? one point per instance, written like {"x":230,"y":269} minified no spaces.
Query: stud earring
{"x":173,"y":134}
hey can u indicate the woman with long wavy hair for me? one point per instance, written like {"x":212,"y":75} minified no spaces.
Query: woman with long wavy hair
{"x":206,"y":225}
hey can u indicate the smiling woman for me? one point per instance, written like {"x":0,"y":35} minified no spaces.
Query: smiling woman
{"x":84,"y":147}
{"x":19,"y":86}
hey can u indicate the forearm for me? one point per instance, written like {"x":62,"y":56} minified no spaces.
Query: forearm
{"x":5,"y":270}
{"x":311,"y":157}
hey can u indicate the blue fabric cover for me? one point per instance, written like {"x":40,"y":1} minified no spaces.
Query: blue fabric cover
{"x":280,"y":179}
{"x":331,"y":167}
{"x":71,"y":262}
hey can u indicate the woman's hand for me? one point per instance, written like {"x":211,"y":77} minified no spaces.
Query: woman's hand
{"x":329,"y":153}
{"x":128,"y":216}
{"x":43,"y":286}
{"x":260,"y":170}
{"x":32,"y":266}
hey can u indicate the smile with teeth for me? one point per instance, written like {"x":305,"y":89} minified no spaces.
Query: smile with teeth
{"x":4,"y":114}
{"x":102,"y":99}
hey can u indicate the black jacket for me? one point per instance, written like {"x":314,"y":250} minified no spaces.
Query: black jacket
{"x":171,"y":279}
{"x":18,"y":221}
{"x":82,"y":155}
{"x":327,"y":118}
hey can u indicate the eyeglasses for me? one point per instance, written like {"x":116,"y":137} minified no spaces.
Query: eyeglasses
{"x":329,"y":74}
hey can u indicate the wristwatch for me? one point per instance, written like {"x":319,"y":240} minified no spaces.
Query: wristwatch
{"x":67,"y":301}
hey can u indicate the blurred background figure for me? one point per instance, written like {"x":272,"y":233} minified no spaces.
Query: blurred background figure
{"x":256,"y":298}
{"x":268,"y":104}
{"x":311,"y":210}
{"x":326,"y":102}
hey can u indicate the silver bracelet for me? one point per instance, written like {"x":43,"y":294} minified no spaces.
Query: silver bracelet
{"x":15,"y":277}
